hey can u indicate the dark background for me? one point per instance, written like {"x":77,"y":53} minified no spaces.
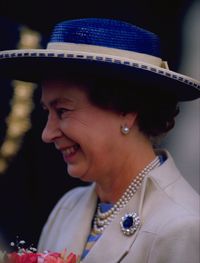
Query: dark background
{"x":37,"y":177}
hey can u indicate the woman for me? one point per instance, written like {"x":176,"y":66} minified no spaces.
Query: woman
{"x":109,"y":96}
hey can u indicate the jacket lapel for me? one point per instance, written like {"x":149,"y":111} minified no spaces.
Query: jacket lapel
{"x":103,"y":251}
{"x":80,"y":223}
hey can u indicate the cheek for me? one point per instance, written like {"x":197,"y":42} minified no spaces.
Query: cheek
{"x":70,"y":127}
{"x":100,"y":153}
{"x":97,"y":140}
{"x":99,"y":163}
{"x":77,"y":126}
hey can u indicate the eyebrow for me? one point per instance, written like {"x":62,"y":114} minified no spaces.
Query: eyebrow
{"x":54,"y":102}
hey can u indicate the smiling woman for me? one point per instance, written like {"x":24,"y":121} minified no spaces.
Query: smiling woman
{"x":83,"y":132}
{"x":109,"y":96}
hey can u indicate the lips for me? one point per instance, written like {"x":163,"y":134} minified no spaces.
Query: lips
{"x":70,"y":150}
{"x":69,"y":153}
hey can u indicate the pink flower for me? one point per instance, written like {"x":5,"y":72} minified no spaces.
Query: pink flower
{"x":27,"y":256}
{"x":50,"y":258}
{"x":22,"y":258}
{"x":54,"y":257}
{"x":72,"y":258}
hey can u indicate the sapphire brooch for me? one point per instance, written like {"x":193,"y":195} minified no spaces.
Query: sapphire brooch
{"x":129,"y":223}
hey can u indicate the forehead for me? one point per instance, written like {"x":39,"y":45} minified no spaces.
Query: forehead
{"x":63,"y":89}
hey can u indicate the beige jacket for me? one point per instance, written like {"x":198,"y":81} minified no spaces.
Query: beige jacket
{"x":169,"y":211}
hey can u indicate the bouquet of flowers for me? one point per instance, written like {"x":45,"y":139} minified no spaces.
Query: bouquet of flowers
{"x":30,"y":255}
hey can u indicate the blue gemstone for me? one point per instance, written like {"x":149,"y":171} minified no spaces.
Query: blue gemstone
{"x":128,"y":222}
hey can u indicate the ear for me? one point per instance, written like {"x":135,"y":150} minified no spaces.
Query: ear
{"x":129,"y":119}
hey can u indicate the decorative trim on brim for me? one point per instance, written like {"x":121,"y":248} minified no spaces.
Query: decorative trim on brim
{"x":106,"y":51}
{"x":78,"y":55}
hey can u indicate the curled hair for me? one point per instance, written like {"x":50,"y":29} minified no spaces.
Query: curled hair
{"x":156,"y":108}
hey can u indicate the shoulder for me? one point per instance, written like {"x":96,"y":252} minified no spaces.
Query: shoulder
{"x":171,"y":216}
{"x":172,"y":188}
{"x":168,"y":201}
{"x":72,"y":197}
{"x":71,"y":206}
{"x":177,"y":240}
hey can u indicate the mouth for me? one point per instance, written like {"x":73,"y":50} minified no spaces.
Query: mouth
{"x":70,"y":151}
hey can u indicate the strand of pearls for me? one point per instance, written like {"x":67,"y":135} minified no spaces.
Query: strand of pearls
{"x":101,"y":220}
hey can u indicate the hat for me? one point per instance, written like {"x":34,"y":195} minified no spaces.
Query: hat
{"x":99,"y":47}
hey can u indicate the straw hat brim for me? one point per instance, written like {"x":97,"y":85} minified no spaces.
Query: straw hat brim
{"x":34,"y":67}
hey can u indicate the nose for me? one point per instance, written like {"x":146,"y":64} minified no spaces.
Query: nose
{"x":51,"y":131}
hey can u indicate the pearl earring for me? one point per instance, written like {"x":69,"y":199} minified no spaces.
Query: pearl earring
{"x":125,"y":129}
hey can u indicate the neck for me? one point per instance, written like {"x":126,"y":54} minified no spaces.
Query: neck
{"x":134,"y":162}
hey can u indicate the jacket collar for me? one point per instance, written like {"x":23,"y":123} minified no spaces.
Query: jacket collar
{"x":113,"y":232}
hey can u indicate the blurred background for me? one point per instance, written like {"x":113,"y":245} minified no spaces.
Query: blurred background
{"x":32,"y":174}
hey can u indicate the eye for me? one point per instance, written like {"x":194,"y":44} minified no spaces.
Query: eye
{"x":61,"y":111}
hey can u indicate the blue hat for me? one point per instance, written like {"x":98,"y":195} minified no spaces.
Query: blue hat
{"x":99,"y":47}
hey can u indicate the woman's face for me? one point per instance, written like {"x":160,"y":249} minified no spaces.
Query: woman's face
{"x":88,"y":137}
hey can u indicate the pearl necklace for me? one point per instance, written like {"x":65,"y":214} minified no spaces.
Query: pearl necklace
{"x":101,"y":220}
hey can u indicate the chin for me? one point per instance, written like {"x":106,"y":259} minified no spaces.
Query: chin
{"x":79,"y":175}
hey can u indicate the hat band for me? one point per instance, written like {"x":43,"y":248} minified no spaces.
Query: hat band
{"x":99,"y":50}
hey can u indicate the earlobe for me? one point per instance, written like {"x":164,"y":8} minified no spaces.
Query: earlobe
{"x":128,"y":121}
{"x":125,"y":129}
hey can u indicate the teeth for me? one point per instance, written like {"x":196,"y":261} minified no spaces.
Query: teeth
{"x":71,"y":150}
